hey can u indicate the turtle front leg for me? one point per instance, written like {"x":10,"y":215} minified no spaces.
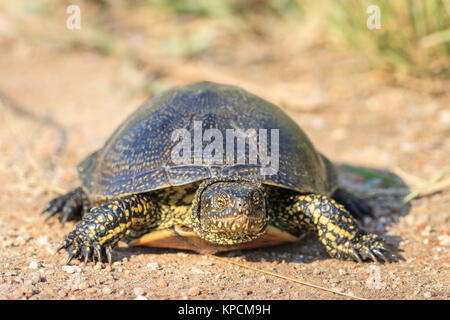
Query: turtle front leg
{"x":104,"y":226}
{"x":338,"y":230}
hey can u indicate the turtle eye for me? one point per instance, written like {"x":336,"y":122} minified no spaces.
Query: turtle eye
{"x":221,"y":201}
{"x":256,"y":198}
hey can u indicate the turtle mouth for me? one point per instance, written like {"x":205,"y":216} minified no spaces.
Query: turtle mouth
{"x":238,"y":225}
{"x":232,"y":230}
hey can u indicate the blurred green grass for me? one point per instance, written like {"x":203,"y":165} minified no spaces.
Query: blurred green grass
{"x":414,"y":36}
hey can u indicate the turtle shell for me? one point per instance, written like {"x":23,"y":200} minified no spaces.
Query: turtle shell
{"x":138,"y":156}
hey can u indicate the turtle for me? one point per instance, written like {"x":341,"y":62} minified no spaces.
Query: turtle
{"x":190,"y":169}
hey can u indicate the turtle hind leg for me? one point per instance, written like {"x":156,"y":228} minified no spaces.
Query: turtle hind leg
{"x":357,"y":207}
{"x":72,"y":206}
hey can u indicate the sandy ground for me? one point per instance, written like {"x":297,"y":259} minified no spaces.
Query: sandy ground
{"x":59,"y":105}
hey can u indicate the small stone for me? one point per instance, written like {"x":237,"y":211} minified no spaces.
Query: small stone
{"x":91,"y":290}
{"x":43,"y":241}
{"x":84,"y":285}
{"x":205,"y":262}
{"x":196,"y":270}
{"x":62,"y":293}
{"x":153,"y":266}
{"x":444,"y":240}
{"x":317,"y":271}
{"x":162,"y":283}
{"x":68,"y":269}
{"x":354,"y":283}
{"x":106,"y":290}
{"x":247,"y":281}
{"x":34,"y":265}
{"x":139,"y":291}
{"x":247,"y":292}
{"x":276,"y":291}
{"x":35,"y":277}
{"x":98,"y":266}
{"x":427,"y":295}
{"x":140,"y":298}
{"x":28,"y":293}
{"x":342,"y":272}
{"x":194,"y":291}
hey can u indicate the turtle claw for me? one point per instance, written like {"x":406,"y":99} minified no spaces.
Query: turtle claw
{"x":355,"y":256}
{"x":371,"y":247}
{"x":83,"y":245}
{"x":70,"y":205}
{"x":69,"y":258}
{"x":98,"y":253}
{"x":85,"y":253}
{"x":108,"y":253}
{"x":372,"y":256}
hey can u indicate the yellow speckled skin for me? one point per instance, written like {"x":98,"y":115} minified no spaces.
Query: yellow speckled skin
{"x":131,"y":187}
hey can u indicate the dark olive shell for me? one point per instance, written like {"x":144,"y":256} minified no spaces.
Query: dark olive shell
{"x":138,"y":156}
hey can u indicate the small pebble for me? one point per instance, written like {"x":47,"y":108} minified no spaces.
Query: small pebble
{"x":91,"y":290}
{"x":28,"y":293}
{"x":153,"y":266}
{"x":194,"y":291}
{"x":276,"y":291}
{"x":84,"y":285}
{"x":106,"y":290}
{"x":43,"y":241}
{"x":197,"y":270}
{"x":139,"y":291}
{"x":34,"y":265}
{"x":68,"y":269}
{"x":427,"y":294}
{"x":317,"y":272}
{"x":35,"y":277}
{"x":98,"y":266}
{"x":162,"y":283}
{"x":247,"y":292}
{"x":140,"y":298}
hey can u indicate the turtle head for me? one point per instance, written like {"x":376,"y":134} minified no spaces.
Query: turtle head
{"x":229,"y":211}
